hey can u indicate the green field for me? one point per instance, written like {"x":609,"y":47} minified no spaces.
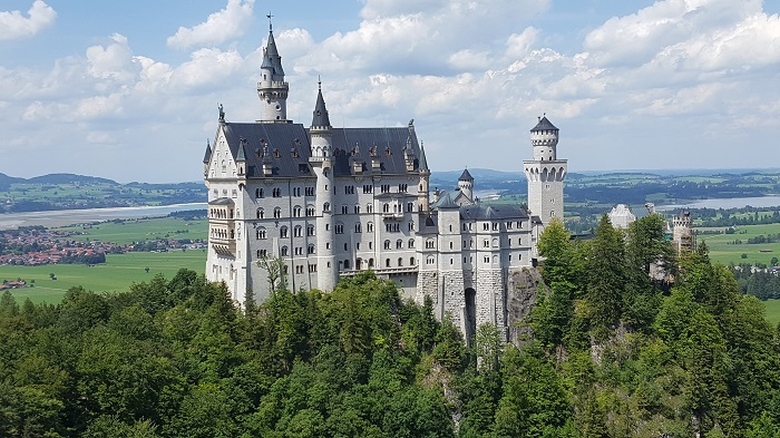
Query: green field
{"x":773,"y":311}
{"x":722,"y":251}
{"x":132,"y":230}
{"x":116,"y":275}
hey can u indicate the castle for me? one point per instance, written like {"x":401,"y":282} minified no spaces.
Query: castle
{"x":332,"y":202}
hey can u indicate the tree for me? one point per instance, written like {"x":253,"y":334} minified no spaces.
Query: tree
{"x":607,"y":277}
{"x":275,"y":272}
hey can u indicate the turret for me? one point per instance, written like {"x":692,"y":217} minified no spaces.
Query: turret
{"x":241,"y":158}
{"x":271,"y":88}
{"x":466,"y":184}
{"x":544,"y":139}
{"x":423,"y":194}
{"x":206,"y":158}
{"x":321,"y":146}
{"x":268,"y":164}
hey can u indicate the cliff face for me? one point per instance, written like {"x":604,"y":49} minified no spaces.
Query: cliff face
{"x":520,"y":300}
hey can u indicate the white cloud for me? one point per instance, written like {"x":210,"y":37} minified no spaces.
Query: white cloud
{"x":115,"y":61}
{"x":221,"y":26}
{"x":14,"y":25}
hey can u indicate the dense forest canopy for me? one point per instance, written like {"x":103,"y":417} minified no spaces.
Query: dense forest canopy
{"x":615,"y":353}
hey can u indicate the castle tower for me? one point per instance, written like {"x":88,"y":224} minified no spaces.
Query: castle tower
{"x":272,"y":89}
{"x":320,"y":161}
{"x":545,"y":173}
{"x":423,"y":195}
{"x":682,"y":231}
{"x":466,"y":185}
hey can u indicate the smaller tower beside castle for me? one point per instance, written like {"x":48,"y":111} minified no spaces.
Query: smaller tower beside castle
{"x":466,"y":185}
{"x":545,"y":173}
{"x":682,"y":231}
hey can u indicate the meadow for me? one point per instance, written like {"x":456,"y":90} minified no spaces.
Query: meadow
{"x":133,"y":230}
{"x":116,"y":275}
{"x":723,"y":250}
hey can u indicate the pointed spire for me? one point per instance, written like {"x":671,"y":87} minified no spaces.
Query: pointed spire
{"x":207,"y":156}
{"x":271,"y":58}
{"x":466,"y":176}
{"x":241,"y":150}
{"x":423,"y":159}
{"x":321,"y":117}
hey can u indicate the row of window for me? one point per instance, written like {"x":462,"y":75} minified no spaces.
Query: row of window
{"x":276,"y":192}
{"x":369,"y":264}
{"x":487,"y":226}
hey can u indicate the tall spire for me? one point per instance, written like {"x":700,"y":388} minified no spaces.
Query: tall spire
{"x":271,"y":88}
{"x":423,"y":159}
{"x":320,"y":112}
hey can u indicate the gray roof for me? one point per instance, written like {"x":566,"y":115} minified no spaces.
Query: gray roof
{"x":445,"y":202}
{"x":366,"y":144}
{"x":241,"y":150}
{"x":221,"y":201}
{"x":320,"y":112}
{"x":289,"y":148}
{"x":544,"y":124}
{"x":493,"y":212}
{"x":465,"y":176}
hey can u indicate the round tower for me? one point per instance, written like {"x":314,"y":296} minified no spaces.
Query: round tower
{"x":321,"y":144}
{"x":466,"y":184}
{"x":545,"y":173}
{"x":271,"y":88}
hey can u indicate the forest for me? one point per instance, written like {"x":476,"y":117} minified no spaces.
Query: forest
{"x":618,"y":350}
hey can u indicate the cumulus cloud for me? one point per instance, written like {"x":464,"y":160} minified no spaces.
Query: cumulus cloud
{"x":13,"y":24}
{"x":221,"y":26}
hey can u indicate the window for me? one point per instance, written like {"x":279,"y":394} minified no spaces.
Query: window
{"x":298,"y":269}
{"x":486,"y":243}
{"x":411,"y":261}
{"x":259,"y":193}
{"x":399,"y":244}
{"x":296,"y":191}
{"x":349,"y":190}
{"x":261,"y":234}
{"x":451,"y":245}
{"x":262,"y":253}
{"x":370,"y":227}
{"x":297,"y":211}
{"x":310,"y":210}
{"x":339,"y":228}
{"x":346,"y":264}
{"x":357,"y":227}
{"x":285,"y":251}
{"x":411,"y":244}
{"x":393,"y":228}
{"x":495,"y":226}
{"x":402,"y":188}
{"x":312,"y":267}
{"x":309,"y":191}
{"x":430,"y":260}
{"x":344,"y":209}
{"x":310,"y":249}
{"x":357,"y":246}
{"x":486,"y":259}
{"x":411,"y":225}
{"x":409,"y":207}
{"x":369,"y":208}
{"x":283,"y":232}
{"x":486,"y":227}
{"x":298,"y":250}
{"x":260,"y":213}
{"x":387,"y":244}
{"x":430,"y":244}
{"x":326,"y":207}
{"x":370,"y":245}
{"x":310,"y":230}
{"x":277,"y":212}
{"x":357,"y":209}
{"x":385,"y":188}
{"x":387,"y":263}
{"x":297,"y":231}
{"x":368,"y":188}
{"x":400,"y":261}
{"x":277,"y":192}
{"x":385,"y":208}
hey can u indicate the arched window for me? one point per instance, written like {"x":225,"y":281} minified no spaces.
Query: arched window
{"x":370,"y":263}
{"x":411,"y":261}
{"x":326,"y":207}
{"x":310,"y":210}
{"x":297,"y":211}
{"x":260,"y":213}
{"x":399,"y":244}
{"x":370,"y":227}
{"x":400,"y":261}
{"x":385,"y":208}
{"x":310,"y":249}
{"x":387,"y":263}
{"x":261,"y":234}
{"x":277,"y":212}
{"x":297,"y":231}
{"x":283,"y":232}
{"x":357,"y":227}
{"x":285,"y":251}
{"x":387,"y":244}
{"x":411,"y":243}
{"x":259,"y":193}
{"x":310,"y":230}
{"x":346,"y":264}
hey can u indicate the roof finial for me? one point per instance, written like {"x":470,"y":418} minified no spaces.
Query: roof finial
{"x":319,"y":83}
{"x":270,"y":25}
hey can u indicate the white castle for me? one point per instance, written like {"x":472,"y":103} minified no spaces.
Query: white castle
{"x":332,"y":202}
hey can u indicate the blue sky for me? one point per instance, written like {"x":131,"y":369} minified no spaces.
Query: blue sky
{"x":129,"y":90}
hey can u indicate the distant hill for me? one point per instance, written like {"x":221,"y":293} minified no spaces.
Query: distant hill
{"x":69,"y":178}
{"x":62,"y":191}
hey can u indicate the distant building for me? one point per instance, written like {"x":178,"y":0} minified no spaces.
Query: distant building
{"x":332,"y":202}
{"x":621,"y":216}
{"x":682,"y":231}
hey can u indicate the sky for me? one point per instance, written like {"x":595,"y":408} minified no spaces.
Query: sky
{"x":130,"y":90}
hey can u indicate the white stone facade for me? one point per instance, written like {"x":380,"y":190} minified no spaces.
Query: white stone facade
{"x":331,"y":202}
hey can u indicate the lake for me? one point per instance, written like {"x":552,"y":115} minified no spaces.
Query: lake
{"x":756,"y":201}
{"x":60,"y":218}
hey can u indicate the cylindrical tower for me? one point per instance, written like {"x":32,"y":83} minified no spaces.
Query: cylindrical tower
{"x":466,"y":184}
{"x":545,"y":173}
{"x":321,"y":143}
{"x":271,"y":88}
